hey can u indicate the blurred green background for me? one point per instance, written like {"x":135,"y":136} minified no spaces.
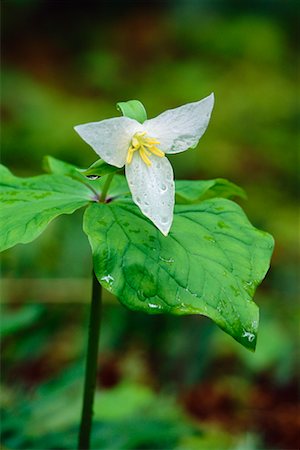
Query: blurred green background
{"x":164,"y":382}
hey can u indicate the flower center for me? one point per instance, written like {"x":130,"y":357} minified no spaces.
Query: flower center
{"x":145,"y":146}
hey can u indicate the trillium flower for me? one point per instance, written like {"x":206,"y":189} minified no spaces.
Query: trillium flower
{"x":141,"y":148}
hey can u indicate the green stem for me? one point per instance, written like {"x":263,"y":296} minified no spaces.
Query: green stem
{"x":106,"y":187}
{"x":91,"y":366}
{"x":92,"y":351}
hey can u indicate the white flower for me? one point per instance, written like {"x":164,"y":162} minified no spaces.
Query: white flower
{"x":141,"y":148}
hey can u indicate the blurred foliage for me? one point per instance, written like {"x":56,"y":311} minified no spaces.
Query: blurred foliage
{"x":158,"y":388}
{"x":141,"y":420}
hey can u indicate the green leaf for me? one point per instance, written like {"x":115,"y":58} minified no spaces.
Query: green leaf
{"x":133,"y":109}
{"x":118,"y":187}
{"x":53,"y":165}
{"x":99,"y":168}
{"x":210,"y":264}
{"x":29,"y":204}
{"x":188,"y":192}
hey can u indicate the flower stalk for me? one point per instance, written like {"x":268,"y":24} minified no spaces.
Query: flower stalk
{"x":91,"y":366}
{"x":106,"y":187}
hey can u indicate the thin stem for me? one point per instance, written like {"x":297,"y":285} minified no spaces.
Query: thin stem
{"x":106,"y":187}
{"x":91,"y":367}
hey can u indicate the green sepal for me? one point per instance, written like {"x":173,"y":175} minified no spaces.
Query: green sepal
{"x":133,"y":109}
{"x":99,"y":168}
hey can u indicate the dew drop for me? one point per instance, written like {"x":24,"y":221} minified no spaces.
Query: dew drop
{"x":154,"y":306}
{"x":167,"y":260}
{"x":210,"y":238}
{"x":248,"y":335}
{"x":108,"y":279}
{"x":164,"y":219}
{"x":93,"y":177}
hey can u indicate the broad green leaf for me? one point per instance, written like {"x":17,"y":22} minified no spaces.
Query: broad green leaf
{"x":210,"y":263}
{"x":188,"y":192}
{"x":29,"y":204}
{"x":99,"y":168}
{"x":133,"y":109}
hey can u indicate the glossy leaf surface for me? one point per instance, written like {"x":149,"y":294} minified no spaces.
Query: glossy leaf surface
{"x":195,"y":191}
{"x":99,"y":168}
{"x":29,"y":204}
{"x":210,"y":264}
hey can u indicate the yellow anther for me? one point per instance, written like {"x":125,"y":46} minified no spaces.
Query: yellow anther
{"x":145,"y":146}
{"x":153,"y":141}
{"x":129,"y":156}
{"x":157,"y":152}
{"x":144,"y":157}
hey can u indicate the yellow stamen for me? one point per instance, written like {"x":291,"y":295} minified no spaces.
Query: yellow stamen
{"x":145,"y":146}
{"x":148,"y":153}
{"x":152,"y":141}
{"x":135,"y":142}
{"x":144,"y":157}
{"x":157,"y":152}
{"x":129,"y":156}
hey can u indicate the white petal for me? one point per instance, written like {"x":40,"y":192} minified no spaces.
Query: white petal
{"x":152,"y":189}
{"x":110,"y":138}
{"x":181,"y":128}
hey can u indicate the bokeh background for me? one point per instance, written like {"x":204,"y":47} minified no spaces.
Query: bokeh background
{"x":164,"y":382}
